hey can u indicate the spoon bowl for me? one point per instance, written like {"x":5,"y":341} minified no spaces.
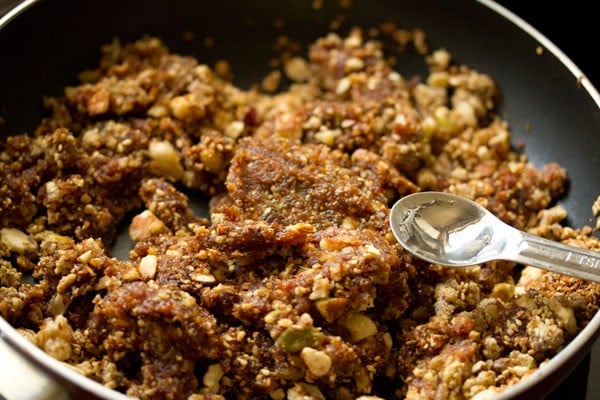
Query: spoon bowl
{"x":451,"y":230}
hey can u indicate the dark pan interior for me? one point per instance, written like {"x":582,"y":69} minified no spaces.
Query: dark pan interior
{"x":45,"y":47}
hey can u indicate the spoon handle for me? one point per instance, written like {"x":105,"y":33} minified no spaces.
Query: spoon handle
{"x":557,"y":257}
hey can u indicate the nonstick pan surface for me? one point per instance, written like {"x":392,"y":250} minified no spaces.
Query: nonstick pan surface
{"x":550,"y":105}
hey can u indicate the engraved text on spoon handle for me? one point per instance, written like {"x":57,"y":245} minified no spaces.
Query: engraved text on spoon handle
{"x":557,"y":257}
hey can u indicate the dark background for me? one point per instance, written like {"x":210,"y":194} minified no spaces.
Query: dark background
{"x":573,"y":26}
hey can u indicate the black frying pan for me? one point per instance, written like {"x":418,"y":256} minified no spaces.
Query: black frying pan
{"x":550,"y":106}
{"x":45,"y":47}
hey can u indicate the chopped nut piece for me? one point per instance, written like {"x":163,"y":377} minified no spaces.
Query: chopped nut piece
{"x":320,"y":288}
{"x":146,"y":225}
{"x":304,"y":391}
{"x":148,"y":266}
{"x":158,"y":111}
{"x":55,"y":338}
{"x":360,"y":326}
{"x":332,"y":309}
{"x":271,"y":82}
{"x":295,"y":339}
{"x":296,"y":69}
{"x":328,"y":136}
{"x":203,"y":278}
{"x":343,"y":86}
{"x":317,"y":361}
{"x":167,"y":157}
{"x":212,"y":377}
{"x":188,"y":107}
{"x":354,"y":64}
{"x":234,"y":129}
{"x":17,"y":241}
{"x":503,"y":291}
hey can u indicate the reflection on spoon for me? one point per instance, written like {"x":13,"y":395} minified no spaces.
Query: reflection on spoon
{"x":450,"y":230}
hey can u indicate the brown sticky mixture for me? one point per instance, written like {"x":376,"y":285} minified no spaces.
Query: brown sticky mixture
{"x":292,"y":286}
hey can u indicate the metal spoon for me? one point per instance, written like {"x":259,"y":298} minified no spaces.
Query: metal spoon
{"x":451,"y":230}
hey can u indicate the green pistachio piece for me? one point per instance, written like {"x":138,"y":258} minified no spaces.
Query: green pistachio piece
{"x":295,"y":339}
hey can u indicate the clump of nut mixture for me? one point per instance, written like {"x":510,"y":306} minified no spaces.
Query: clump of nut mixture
{"x":293,"y":285}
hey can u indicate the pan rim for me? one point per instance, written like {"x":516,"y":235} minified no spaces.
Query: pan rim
{"x":547,"y":44}
{"x":15,"y":11}
{"x":52,"y":367}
